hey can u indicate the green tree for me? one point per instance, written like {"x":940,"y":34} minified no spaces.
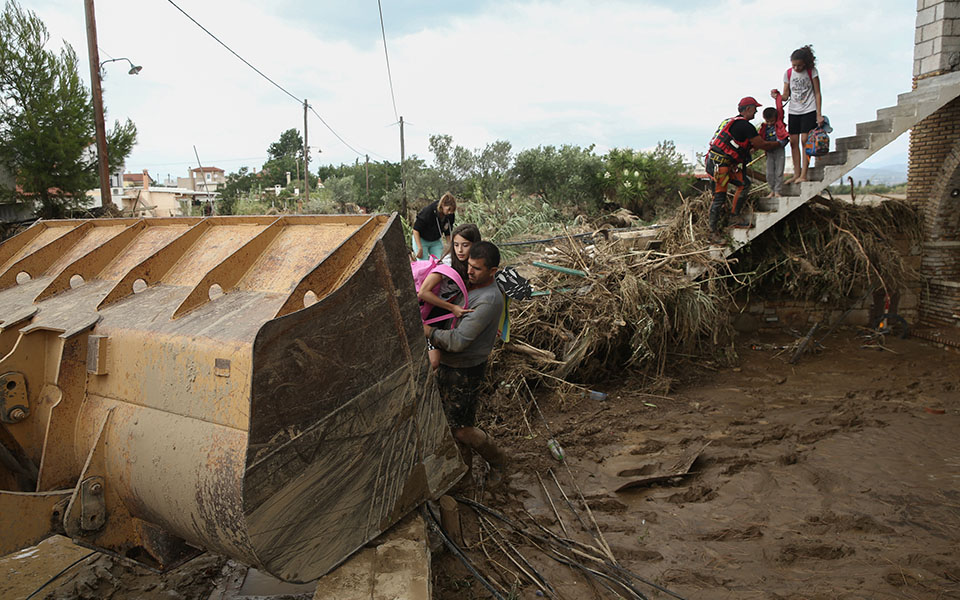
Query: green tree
{"x":289,"y":144}
{"x":46,"y":118}
{"x":492,"y":169}
{"x":341,"y":191}
{"x":453,"y":166}
{"x":423,"y":186}
{"x":285,"y":156}
{"x":236,"y":185}
{"x":568,"y":177}
{"x":383,"y":176}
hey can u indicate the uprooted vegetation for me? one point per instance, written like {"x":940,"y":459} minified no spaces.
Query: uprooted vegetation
{"x":834,"y":251}
{"x":639,"y":310}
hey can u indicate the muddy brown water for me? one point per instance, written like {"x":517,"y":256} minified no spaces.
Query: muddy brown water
{"x":835,"y":478}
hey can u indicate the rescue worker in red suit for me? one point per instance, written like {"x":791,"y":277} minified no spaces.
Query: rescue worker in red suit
{"x":727,"y":161}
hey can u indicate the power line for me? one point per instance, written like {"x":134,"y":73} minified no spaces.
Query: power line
{"x":387,"y":56}
{"x":337,"y":135}
{"x":259,"y":72}
{"x":262,"y":74}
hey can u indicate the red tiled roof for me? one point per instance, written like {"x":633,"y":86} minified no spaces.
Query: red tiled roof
{"x":133,"y":177}
{"x":205,"y":169}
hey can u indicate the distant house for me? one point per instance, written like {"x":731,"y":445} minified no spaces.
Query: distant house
{"x":135,"y":180}
{"x":141,"y":197}
{"x":203,"y":179}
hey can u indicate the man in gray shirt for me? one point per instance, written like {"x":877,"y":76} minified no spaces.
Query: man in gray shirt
{"x":463,"y":359}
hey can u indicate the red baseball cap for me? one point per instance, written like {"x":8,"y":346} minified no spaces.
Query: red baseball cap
{"x":748,"y":101}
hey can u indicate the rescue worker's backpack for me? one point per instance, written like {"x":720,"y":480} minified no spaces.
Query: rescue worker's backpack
{"x":724,"y":143}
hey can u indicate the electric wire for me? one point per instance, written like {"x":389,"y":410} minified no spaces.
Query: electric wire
{"x":229,"y":49}
{"x":432,"y":519}
{"x":386,"y":55}
{"x":262,"y":74}
{"x":335,"y":134}
{"x":60,"y":574}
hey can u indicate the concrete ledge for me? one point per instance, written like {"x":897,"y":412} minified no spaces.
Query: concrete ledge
{"x":395,"y":565}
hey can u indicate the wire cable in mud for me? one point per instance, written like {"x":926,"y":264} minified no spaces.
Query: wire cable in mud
{"x":435,"y":523}
{"x":59,"y":575}
{"x":567,"y":544}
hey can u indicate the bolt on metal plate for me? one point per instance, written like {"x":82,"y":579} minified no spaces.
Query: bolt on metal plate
{"x":93,"y":506}
{"x":14,"y":406}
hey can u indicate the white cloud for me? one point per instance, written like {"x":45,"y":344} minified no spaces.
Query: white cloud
{"x":610,"y":73}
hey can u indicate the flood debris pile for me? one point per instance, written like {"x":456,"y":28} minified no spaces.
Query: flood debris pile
{"x":605,"y":306}
{"x":833,"y":251}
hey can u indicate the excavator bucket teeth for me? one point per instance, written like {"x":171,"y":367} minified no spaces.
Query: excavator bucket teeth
{"x":254,"y":386}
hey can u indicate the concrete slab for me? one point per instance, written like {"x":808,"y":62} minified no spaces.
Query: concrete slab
{"x":395,"y":565}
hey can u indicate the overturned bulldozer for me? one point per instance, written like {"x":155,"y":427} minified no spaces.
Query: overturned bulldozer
{"x":254,"y":386}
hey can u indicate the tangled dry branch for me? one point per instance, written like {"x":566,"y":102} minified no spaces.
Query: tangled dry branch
{"x":649,"y":311}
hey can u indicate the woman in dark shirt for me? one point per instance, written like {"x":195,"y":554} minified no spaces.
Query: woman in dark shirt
{"x":433,"y":223}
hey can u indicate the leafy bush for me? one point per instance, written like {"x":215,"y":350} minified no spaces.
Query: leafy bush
{"x":250,"y":206}
{"x":568,"y":177}
{"x":646,"y":182}
{"x":504,"y":220}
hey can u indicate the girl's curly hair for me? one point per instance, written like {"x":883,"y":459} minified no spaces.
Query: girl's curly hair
{"x":805,"y":54}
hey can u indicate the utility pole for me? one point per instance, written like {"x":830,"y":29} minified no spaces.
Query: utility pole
{"x":403,"y":180}
{"x":366,"y":172}
{"x":306,"y":161}
{"x":105,"y":198}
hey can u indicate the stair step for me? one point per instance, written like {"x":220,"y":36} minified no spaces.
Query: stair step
{"x":853,"y":142}
{"x":850,"y":151}
{"x":939,"y":81}
{"x":905,"y":110}
{"x":770,"y":205}
{"x":815,"y":173}
{"x":919,"y":95}
{"x":837,"y":157}
{"x":878,"y":126}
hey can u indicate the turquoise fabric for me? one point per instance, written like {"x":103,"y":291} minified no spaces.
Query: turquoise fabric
{"x":435,"y":248}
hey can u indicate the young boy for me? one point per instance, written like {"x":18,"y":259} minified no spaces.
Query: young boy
{"x":772,"y":130}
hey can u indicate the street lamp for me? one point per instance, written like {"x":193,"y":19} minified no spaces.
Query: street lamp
{"x":134,"y":69}
{"x":95,"y":76}
{"x":102,"y":164}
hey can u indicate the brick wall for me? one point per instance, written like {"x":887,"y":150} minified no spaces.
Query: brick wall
{"x":931,"y":140}
{"x":934,"y":170}
{"x":934,"y":184}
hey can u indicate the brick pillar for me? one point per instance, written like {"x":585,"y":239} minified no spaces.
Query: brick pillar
{"x":931,"y":140}
{"x":934,"y":170}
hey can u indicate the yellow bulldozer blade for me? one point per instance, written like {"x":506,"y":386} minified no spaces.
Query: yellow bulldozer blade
{"x":254,"y":386}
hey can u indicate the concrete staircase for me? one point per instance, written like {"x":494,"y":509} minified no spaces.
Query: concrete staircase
{"x":912,"y":107}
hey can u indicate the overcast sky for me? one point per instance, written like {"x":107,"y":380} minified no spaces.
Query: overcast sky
{"x":604,"y":72}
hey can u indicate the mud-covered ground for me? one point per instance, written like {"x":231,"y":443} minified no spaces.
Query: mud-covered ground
{"x":835,"y":478}
{"x":838,"y":477}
